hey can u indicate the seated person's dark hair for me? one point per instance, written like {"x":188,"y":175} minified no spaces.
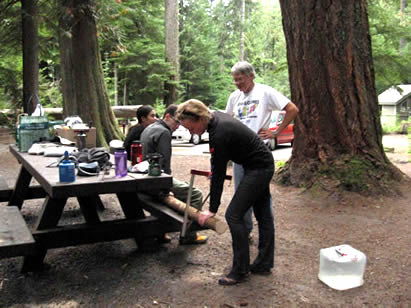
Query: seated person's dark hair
{"x":143,"y":111}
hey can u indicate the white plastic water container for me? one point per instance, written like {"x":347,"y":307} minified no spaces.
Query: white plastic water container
{"x":342,"y":267}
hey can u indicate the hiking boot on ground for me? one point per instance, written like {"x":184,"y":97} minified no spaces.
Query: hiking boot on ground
{"x":196,"y":240}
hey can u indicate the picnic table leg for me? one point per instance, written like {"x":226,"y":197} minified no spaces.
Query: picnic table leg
{"x":129,"y":202}
{"x":49,"y":217}
{"x":21,"y":188}
{"x":89,"y":206}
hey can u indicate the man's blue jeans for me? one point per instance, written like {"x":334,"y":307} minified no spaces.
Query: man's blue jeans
{"x":238,"y":172}
{"x":253,"y":190}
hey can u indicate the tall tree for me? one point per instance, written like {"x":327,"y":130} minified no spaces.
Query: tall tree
{"x":84,"y":71}
{"x":242,"y":30}
{"x":338,"y":131}
{"x":68,"y":86}
{"x":30,"y":55}
{"x":172,"y":50}
{"x":403,"y":6}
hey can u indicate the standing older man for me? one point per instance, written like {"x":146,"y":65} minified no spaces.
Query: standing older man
{"x":252,"y":103}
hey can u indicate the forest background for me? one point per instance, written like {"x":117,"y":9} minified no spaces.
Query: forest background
{"x":131,"y":37}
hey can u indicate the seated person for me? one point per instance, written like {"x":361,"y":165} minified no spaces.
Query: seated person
{"x":146,"y":115}
{"x":157,"y":139}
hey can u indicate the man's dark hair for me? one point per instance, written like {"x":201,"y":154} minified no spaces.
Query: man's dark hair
{"x":143,"y":111}
{"x":171,"y":110}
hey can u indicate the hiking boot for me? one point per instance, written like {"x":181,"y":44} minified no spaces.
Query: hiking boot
{"x":165,"y":239}
{"x":198,"y":239}
{"x":260,"y":270}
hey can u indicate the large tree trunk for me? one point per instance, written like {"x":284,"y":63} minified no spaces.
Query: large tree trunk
{"x":172,"y":50}
{"x":338,"y":130}
{"x":30,"y":55}
{"x":68,"y":85}
{"x":86,"y":74}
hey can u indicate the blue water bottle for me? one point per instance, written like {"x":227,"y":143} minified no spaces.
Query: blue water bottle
{"x":67,"y":170}
{"x":120,"y":161}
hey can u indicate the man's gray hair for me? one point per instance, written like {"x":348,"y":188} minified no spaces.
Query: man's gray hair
{"x":243,"y":67}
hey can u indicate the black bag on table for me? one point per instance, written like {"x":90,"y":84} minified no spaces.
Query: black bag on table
{"x":91,"y":161}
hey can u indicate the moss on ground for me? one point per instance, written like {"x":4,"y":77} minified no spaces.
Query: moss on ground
{"x":349,"y":173}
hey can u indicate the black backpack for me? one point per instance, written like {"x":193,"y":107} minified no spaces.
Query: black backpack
{"x":99,"y":155}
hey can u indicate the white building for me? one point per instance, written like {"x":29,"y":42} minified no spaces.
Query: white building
{"x":395,"y":104}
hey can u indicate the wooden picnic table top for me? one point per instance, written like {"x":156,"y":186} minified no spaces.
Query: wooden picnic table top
{"x":48,"y":178}
{"x":48,"y":233}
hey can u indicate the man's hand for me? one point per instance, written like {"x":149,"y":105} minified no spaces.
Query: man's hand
{"x":204,"y":215}
{"x":265,"y":133}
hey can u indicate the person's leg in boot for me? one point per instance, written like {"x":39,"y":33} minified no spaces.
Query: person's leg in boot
{"x":239,"y":235}
{"x":238,"y":172}
{"x":253,"y":184}
{"x":264,"y":215}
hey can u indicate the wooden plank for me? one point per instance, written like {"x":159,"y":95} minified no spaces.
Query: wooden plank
{"x":88,"y":206}
{"x":34,"y":192}
{"x":15,"y":236}
{"x":158,"y":209}
{"x":4,"y":190}
{"x":21,"y":188}
{"x":3,"y":183}
{"x":70,"y":235}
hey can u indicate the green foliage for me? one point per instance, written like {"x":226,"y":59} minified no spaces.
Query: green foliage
{"x":266,"y":48}
{"x":387,"y":27}
{"x":131,"y":35}
{"x":391,"y":128}
{"x":200,"y":66}
{"x":160,"y":108}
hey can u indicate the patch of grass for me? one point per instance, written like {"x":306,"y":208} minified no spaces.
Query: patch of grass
{"x":279,"y":164}
{"x":391,"y":128}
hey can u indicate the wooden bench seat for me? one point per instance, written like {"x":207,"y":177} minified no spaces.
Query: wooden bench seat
{"x":34,"y":192}
{"x":166,"y":214}
{"x":15,"y":237}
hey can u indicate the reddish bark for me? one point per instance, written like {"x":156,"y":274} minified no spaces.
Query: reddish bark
{"x":333,"y":84}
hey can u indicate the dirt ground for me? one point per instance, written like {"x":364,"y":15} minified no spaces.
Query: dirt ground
{"x":115,"y":274}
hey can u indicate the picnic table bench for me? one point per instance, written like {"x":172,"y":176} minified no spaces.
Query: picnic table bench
{"x":16,"y":239}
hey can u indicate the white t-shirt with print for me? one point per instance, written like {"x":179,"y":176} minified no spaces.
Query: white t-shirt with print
{"x":255,"y":107}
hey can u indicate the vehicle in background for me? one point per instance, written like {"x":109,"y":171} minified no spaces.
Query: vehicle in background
{"x":182,"y":134}
{"x":286,"y":136}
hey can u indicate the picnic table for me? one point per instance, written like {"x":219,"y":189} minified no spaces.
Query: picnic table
{"x":47,"y":233}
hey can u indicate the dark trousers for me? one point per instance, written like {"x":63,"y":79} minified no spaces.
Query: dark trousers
{"x":253,"y":191}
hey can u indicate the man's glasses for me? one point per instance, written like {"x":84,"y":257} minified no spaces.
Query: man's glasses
{"x":175,"y":120}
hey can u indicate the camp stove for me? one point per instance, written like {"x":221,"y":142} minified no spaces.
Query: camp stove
{"x":154,"y":167}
